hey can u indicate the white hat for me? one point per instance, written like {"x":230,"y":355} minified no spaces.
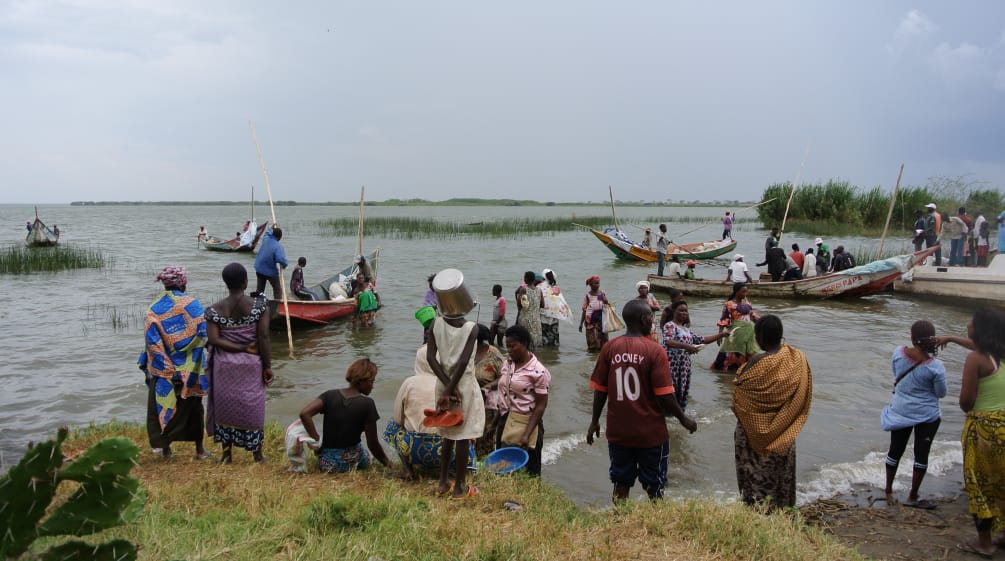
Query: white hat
{"x":737,"y":257}
{"x":640,"y":284}
{"x":930,"y":205}
{"x":818,"y":241}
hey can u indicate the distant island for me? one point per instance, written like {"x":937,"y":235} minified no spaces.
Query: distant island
{"x":423,"y":202}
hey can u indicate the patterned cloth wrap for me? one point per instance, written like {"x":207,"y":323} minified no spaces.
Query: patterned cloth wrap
{"x":421,"y":449}
{"x":772,"y":399}
{"x":175,"y":340}
{"x":343,"y":460}
{"x":984,"y":465}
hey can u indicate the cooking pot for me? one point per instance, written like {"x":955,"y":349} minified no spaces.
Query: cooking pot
{"x":454,"y":298}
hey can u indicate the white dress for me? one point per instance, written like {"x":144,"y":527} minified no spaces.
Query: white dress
{"x":450,"y":343}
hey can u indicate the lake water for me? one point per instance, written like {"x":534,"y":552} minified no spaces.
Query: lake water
{"x":70,"y":340}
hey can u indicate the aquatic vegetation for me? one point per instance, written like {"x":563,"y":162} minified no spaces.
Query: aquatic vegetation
{"x":18,"y":259}
{"x":408,"y":227}
{"x":119,"y":319}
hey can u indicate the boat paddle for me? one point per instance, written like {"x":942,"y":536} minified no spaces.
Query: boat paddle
{"x":272,"y":207}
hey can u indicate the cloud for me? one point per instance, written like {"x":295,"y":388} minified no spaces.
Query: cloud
{"x":912,"y":33}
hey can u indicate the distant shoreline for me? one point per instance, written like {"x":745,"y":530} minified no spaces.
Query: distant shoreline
{"x":423,"y":202}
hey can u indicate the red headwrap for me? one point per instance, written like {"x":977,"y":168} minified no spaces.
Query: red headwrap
{"x":593,"y":278}
{"x":173,"y":277}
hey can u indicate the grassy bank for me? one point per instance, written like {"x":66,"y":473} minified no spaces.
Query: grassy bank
{"x":202,"y":510}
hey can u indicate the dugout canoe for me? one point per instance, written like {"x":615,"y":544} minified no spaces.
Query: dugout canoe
{"x":40,"y":235}
{"x":626,"y":249}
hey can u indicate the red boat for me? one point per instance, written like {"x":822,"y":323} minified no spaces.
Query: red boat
{"x":329,"y":308}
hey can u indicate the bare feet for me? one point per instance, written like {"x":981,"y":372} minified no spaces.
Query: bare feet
{"x":444,"y":487}
{"x":976,"y":549}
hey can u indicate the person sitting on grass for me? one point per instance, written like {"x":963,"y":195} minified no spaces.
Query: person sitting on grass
{"x":348,"y":413}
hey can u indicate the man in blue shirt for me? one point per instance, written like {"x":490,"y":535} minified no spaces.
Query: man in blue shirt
{"x":270,"y":254}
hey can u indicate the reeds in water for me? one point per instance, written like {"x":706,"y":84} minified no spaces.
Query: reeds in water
{"x":17,"y":260}
{"x":409,"y":228}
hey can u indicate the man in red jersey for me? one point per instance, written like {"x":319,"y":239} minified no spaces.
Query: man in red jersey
{"x":633,"y":371}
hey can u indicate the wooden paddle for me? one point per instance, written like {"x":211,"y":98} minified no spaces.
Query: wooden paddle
{"x":272,"y":207}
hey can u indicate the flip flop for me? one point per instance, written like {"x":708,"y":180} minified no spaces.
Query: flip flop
{"x":447,"y":418}
{"x":923,"y":504}
{"x":471,"y":492}
{"x":204,"y":455}
{"x":968,"y":548}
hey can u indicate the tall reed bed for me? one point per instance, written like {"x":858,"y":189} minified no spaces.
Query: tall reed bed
{"x":410,"y":227}
{"x":837,"y":207}
{"x":17,"y":260}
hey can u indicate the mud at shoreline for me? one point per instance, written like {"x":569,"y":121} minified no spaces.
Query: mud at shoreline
{"x":863,"y":520}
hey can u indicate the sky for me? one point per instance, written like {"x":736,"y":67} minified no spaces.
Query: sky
{"x":132,"y":100}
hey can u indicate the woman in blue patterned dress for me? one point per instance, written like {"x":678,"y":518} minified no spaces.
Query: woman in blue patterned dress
{"x":680,"y":343}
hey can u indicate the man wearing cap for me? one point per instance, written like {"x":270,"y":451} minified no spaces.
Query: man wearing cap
{"x":737,"y":271}
{"x":933,"y":225}
{"x":823,"y":256}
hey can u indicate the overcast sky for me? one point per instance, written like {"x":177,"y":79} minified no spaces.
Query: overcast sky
{"x":554,"y":100}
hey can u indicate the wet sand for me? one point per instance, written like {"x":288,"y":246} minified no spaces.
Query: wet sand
{"x":863,"y":520}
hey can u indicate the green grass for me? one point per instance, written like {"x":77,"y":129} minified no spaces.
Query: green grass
{"x":201,"y":510}
{"x":409,"y":228}
{"x":19,"y":260}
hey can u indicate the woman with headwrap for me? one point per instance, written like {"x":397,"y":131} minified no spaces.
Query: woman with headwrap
{"x":349,"y":413}
{"x":240,"y":366}
{"x":738,"y":317}
{"x":771,"y":402}
{"x":650,"y":300}
{"x":488,"y":368}
{"x":529,"y":301}
{"x":593,"y":314}
{"x":174,"y":364}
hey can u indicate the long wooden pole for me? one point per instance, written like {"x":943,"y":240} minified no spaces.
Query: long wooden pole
{"x":795,"y":185}
{"x":613,"y":214}
{"x":272,"y":207}
{"x":889,"y":214}
{"x":359,"y":230}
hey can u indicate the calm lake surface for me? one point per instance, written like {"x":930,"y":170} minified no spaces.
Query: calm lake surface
{"x":70,"y":340}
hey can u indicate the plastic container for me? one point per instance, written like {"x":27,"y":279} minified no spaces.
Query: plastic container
{"x":425,"y":314}
{"x":454,"y":298}
{"x":506,"y":460}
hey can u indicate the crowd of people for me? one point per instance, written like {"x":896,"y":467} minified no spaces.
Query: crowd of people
{"x":468,"y":397}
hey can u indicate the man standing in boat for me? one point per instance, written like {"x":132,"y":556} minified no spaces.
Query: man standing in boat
{"x":662,"y":244}
{"x":270,"y":256}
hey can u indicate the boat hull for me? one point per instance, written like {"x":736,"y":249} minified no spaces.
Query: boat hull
{"x":979,"y":285}
{"x":40,"y":236}
{"x":866,"y":280}
{"x":629,"y":251}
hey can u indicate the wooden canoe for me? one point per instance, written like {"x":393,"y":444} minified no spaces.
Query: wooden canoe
{"x":234,"y":244}
{"x":321,"y":312}
{"x":624,"y":248}
{"x":864,"y":280}
{"x":40,"y":235}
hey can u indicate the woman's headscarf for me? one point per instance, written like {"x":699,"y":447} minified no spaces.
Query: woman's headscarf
{"x":640,"y":284}
{"x":173,"y":277}
{"x":593,"y":278}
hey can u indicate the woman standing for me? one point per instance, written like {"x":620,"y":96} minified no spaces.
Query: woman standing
{"x":592,"y":316}
{"x":349,"y":412}
{"x":174,"y":364}
{"x":738,"y":318}
{"x":919,"y":381}
{"x":524,"y":387}
{"x":529,"y":302}
{"x":240,"y":366}
{"x":680,"y":343}
{"x":982,"y":398}
{"x":645,"y":296}
{"x":488,"y":370}
{"x":553,"y":308}
{"x":771,"y":402}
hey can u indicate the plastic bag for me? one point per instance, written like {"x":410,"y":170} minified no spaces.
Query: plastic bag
{"x":610,"y":319}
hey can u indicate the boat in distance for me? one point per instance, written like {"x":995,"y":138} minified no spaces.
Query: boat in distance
{"x":240,"y":243}
{"x":624,"y":248}
{"x":980,"y":285}
{"x":871,"y":278}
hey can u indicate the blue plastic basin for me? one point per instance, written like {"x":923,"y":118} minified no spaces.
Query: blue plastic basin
{"x":507,"y":460}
